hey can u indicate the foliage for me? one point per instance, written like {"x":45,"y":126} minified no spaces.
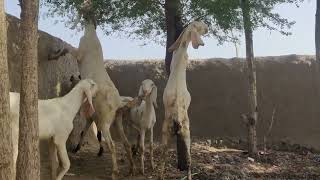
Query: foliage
{"x":145,"y":19}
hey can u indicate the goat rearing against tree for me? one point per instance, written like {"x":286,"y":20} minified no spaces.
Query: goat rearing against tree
{"x":176,"y":97}
{"x":108,"y":104}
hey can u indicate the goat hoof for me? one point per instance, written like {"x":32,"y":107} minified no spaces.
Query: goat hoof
{"x":75,"y":150}
{"x":134,"y":150}
{"x":100,"y":151}
{"x":115,"y":174}
{"x":133,"y":171}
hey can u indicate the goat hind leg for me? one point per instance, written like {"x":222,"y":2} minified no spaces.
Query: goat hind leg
{"x":125,"y":142}
{"x":106,"y":134}
{"x":99,"y":137}
{"x":166,"y":135}
{"x":142,"y":135}
{"x":151,"y":148}
{"x":135,"y":147}
{"x":54,"y":163}
{"x":98,"y":134}
{"x":83,"y":134}
{"x":185,"y":133}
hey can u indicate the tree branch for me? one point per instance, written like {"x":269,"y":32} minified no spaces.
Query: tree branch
{"x":20,"y":3}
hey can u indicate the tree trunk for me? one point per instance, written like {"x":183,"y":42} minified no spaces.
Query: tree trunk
{"x":253,"y":116}
{"x":317,"y":32}
{"x":316,"y":65}
{"x":174,"y":27}
{"x":28,"y":163}
{"x":6,"y":146}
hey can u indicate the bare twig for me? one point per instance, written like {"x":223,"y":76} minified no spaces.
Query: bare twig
{"x":268,"y":133}
{"x":244,"y":118}
{"x":185,"y":177}
{"x":20,"y":3}
{"x":272,"y":120}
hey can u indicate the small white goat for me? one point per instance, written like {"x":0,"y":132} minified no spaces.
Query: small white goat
{"x":56,"y":121}
{"x":176,"y":97}
{"x":143,"y":117}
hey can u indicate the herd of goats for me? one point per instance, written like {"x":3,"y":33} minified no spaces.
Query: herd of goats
{"x":98,"y":100}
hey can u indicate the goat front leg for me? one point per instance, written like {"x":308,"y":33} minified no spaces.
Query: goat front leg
{"x":63,"y":155}
{"x":106,"y":134}
{"x":83,"y":134}
{"x":166,"y":135}
{"x":56,"y":54}
{"x":142,"y":135}
{"x":125,"y":142}
{"x":151,"y":149}
{"x":54,"y":163}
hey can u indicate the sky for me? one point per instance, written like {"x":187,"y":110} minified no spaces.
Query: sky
{"x":266,"y":43}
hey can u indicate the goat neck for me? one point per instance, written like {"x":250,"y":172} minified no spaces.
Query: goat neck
{"x":149,"y":104}
{"x":89,"y":29}
{"x":75,"y":96}
{"x":179,"y":62}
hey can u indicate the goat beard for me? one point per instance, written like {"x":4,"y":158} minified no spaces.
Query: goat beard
{"x":87,"y":109}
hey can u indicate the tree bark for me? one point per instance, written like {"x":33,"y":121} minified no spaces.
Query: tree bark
{"x":174,"y":27}
{"x":317,"y":32}
{"x":6,"y":146}
{"x":316,"y":65}
{"x":253,"y":116}
{"x":28,"y":163}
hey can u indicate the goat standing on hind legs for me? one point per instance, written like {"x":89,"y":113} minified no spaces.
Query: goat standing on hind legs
{"x":176,"y":97}
{"x":107,"y":102}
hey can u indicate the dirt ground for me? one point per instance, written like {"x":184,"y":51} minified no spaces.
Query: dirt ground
{"x":208,"y":162}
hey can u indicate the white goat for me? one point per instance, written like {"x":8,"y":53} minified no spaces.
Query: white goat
{"x":143,"y":117}
{"x":176,"y":97}
{"x":56,"y":121}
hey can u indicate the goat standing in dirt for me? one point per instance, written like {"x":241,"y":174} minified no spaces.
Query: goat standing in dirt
{"x":143,"y":117}
{"x":176,"y":97}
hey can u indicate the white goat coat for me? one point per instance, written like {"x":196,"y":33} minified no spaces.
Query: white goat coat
{"x":91,"y":66}
{"x":143,"y":116}
{"x":55,"y":116}
{"x":176,"y":97}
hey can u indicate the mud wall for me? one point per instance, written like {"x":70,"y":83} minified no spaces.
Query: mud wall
{"x":54,"y":76}
{"x":218,"y":89}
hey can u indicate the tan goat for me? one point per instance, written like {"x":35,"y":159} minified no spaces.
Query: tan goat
{"x":107,"y":103}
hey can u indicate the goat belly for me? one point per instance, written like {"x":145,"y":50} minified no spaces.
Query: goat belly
{"x":45,"y":132}
{"x":45,"y":129}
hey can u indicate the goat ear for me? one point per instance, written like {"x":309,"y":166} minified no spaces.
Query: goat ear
{"x":196,"y":39}
{"x":87,"y":108}
{"x":140,"y":91}
{"x":177,"y":43}
{"x":153,"y":96}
